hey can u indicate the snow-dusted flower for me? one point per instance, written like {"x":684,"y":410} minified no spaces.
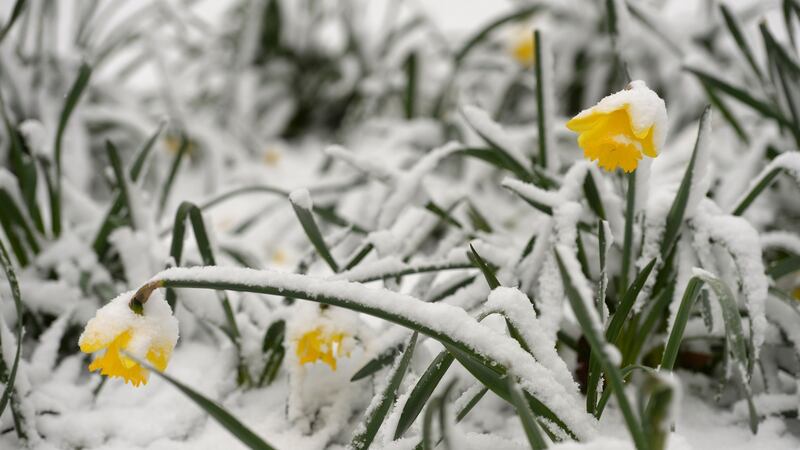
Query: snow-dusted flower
{"x":622,"y":127}
{"x":116,"y":328}
{"x":320,"y":344}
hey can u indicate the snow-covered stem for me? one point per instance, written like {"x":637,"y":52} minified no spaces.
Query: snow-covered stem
{"x":446,"y":323}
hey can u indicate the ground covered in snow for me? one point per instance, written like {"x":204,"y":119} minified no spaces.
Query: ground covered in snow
{"x":552,"y":196}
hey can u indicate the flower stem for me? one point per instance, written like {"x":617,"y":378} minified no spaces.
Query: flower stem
{"x":627,"y":243}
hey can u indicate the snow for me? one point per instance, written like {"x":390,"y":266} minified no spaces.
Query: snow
{"x":484,"y":125}
{"x":362,"y":163}
{"x":385,"y":267}
{"x":783,"y":240}
{"x":517,"y":308}
{"x":301,"y":198}
{"x":534,"y":193}
{"x":322,"y":117}
{"x":43,"y":359}
{"x":741,"y":240}
{"x":789,"y":162}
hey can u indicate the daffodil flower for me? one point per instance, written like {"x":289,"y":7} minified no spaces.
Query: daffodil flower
{"x":320,"y":344}
{"x":622,"y":127}
{"x":523,"y":48}
{"x":149,"y":335}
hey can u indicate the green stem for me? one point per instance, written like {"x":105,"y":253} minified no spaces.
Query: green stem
{"x":627,"y":243}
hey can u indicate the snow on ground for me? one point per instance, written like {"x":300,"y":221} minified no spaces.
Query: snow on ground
{"x":157,"y":416}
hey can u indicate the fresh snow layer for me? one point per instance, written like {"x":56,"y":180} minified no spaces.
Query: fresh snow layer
{"x":159,"y":417}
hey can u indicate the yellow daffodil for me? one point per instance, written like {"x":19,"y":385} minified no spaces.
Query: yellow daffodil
{"x":279,"y":257}
{"x":522,"y":48}
{"x":149,"y":336}
{"x":320,"y":344}
{"x":173,"y":144}
{"x":622,"y":127}
{"x":272,"y":157}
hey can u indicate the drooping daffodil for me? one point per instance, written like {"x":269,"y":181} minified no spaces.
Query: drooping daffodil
{"x":622,"y":128}
{"x":148,"y":335}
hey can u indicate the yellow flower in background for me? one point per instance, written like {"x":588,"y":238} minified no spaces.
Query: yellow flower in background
{"x":523,"y":48}
{"x":272,"y":157}
{"x":622,"y":127}
{"x":115,"y":328}
{"x":173,"y":144}
{"x":320,"y":345}
{"x":279,"y":257}
{"x":796,"y":293}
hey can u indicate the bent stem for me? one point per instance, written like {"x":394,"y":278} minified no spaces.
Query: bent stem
{"x":484,"y":361}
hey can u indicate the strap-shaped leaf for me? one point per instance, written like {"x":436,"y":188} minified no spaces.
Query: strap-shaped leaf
{"x":100,"y":243}
{"x":273,"y":350}
{"x":18,"y":231}
{"x":656,"y":419}
{"x":397,"y":308}
{"x":736,"y":32}
{"x":534,"y":434}
{"x":228,"y":421}
{"x":377,"y":363}
{"x":74,"y":95}
{"x":784,"y":266}
{"x":593,"y":196}
{"x":166,"y":188}
{"x":488,"y":272}
{"x":15,"y":294}
{"x":737,"y":343}
{"x":760,"y":106}
{"x":422,"y":391}
{"x":122,"y":181}
{"x":541,"y":61}
{"x":19,"y":6}
{"x":764,"y":181}
{"x":598,"y":346}
{"x":376,"y":415}
{"x":309,"y":225}
{"x":677,"y":211}
{"x":195,"y":216}
{"x":625,"y":306}
{"x":23,"y":165}
{"x":679,"y":325}
{"x":410,"y":97}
